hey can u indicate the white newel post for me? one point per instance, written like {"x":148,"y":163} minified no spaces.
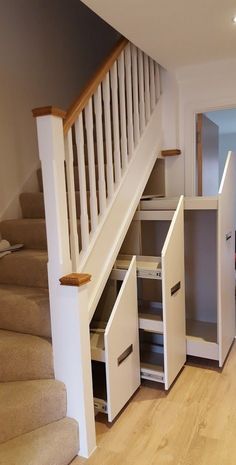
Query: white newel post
{"x":68,"y":304}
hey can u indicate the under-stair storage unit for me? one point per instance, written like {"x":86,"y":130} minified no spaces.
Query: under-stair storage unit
{"x":209,"y":264}
{"x":209,"y":267}
{"x":115,"y":343}
{"x":157,"y":238}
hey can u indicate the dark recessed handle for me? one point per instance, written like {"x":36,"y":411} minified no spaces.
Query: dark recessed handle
{"x":125,"y":354}
{"x":228,"y":236}
{"x":175,"y":288}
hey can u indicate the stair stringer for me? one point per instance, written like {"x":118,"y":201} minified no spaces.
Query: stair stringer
{"x":109,"y":240}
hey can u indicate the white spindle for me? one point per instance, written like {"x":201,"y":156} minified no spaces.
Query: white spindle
{"x":141,"y":91}
{"x":91,"y":165}
{"x":147,"y":88}
{"x":74,"y":240}
{"x":115,"y":120}
{"x":107,"y":114}
{"x":121,"y":73}
{"x":157,"y":81}
{"x":100,"y":150}
{"x":84,"y":221}
{"x":152,"y":85}
{"x":129,"y":101}
{"x":135,"y":94}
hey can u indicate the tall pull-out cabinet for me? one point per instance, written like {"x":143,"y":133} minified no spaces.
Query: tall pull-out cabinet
{"x":158,"y":240}
{"x":209,"y":267}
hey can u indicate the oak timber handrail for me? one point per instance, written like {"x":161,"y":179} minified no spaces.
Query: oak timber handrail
{"x":92,"y":85}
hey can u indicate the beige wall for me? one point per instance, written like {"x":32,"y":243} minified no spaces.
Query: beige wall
{"x":48,"y":49}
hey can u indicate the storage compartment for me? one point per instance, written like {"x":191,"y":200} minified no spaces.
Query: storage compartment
{"x":115,"y":343}
{"x":157,"y":238}
{"x":201,"y":282}
{"x":152,"y":356}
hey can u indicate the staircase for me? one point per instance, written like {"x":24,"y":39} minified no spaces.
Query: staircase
{"x":96,"y":159}
{"x":34,"y":427}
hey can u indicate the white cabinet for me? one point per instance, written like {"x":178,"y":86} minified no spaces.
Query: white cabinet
{"x":210,"y":276}
{"x":157,"y":238}
{"x":115,"y":343}
{"x":209,"y":266}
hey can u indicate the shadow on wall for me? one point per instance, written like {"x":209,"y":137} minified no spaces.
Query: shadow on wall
{"x":48,"y":51}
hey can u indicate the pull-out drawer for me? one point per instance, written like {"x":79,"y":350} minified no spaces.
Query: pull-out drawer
{"x":115,"y":343}
{"x":161,"y":293}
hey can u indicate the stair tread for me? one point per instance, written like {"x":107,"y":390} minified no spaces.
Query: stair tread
{"x":53,"y":444}
{"x":25,"y":310}
{"x":28,"y":405}
{"x":24,"y":357}
{"x":24,"y":268}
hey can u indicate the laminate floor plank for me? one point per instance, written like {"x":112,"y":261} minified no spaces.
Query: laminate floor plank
{"x":193,"y":424}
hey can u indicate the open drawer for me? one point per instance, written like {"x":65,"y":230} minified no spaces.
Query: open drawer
{"x":161,"y":294}
{"x":115,"y":343}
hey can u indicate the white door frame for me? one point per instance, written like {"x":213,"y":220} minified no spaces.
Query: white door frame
{"x":188,"y":135}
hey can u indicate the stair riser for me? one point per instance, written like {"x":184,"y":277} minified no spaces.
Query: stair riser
{"x":25,"y":310}
{"x":24,"y":357}
{"x":31,"y":234}
{"x":26,"y":406}
{"x":32,"y":205}
{"x":54,"y":444}
{"x":22,"y":270}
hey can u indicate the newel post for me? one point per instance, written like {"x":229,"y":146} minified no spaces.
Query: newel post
{"x":68,"y":304}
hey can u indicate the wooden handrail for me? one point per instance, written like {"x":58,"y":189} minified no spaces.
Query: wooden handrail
{"x":92,"y":85}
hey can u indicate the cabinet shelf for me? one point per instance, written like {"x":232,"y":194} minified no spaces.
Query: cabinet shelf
{"x":202,"y":339}
{"x":151,"y":316}
{"x":152,"y":366}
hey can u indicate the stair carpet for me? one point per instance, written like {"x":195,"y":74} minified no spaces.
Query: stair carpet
{"x":34,"y":429}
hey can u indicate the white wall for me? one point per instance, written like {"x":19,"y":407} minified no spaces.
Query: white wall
{"x":202,"y":88}
{"x":226,"y":142}
{"x":174,"y":172}
{"x":48,"y":50}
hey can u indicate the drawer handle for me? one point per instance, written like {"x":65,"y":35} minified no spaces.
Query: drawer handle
{"x":125,"y":355}
{"x":228,"y":236}
{"x":175,"y":288}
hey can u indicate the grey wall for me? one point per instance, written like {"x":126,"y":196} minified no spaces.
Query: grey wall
{"x":48,"y":50}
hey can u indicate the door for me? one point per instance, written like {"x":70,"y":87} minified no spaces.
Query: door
{"x":173,"y":291}
{"x":207,"y":156}
{"x":226,"y":272}
{"x":122,"y":346}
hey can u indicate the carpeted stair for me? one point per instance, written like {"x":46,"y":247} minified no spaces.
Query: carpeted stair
{"x":34,"y":429}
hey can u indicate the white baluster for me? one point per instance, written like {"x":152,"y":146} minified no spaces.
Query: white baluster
{"x":107,"y":114}
{"x":115,"y":120}
{"x":84,"y":221}
{"x":91,"y":165}
{"x":147,"y":88}
{"x":152,"y":84}
{"x":121,"y":73}
{"x":141,"y":91}
{"x":157,"y":81}
{"x":100,"y":150}
{"x":135,"y":94}
{"x":129,"y":101}
{"x":74,"y":240}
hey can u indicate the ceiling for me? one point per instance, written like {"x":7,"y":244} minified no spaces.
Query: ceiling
{"x":225,"y":119}
{"x":175,"y":33}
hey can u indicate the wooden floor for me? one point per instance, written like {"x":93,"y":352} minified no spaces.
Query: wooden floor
{"x":193,"y":424}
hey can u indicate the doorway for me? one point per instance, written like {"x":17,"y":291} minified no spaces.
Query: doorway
{"x":215,"y":136}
